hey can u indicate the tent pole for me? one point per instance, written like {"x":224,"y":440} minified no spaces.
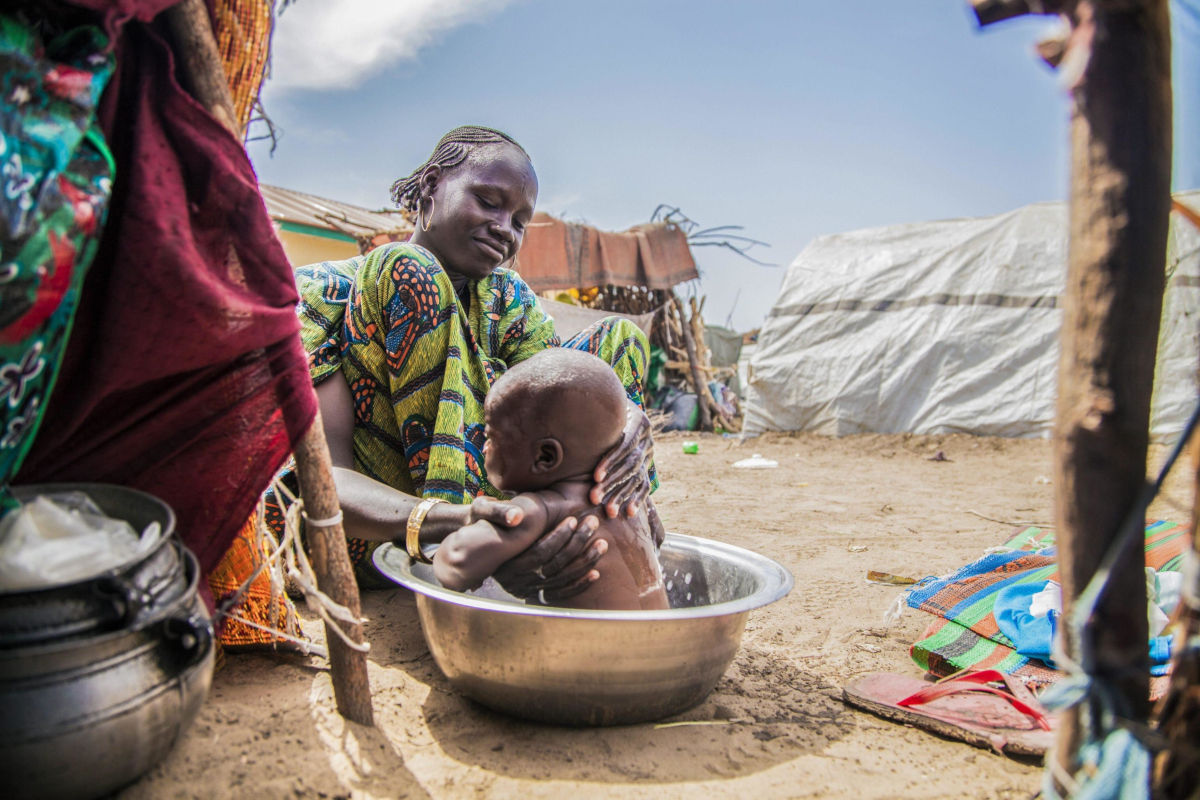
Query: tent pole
{"x":200,"y":60}
{"x":196,"y":48}
{"x":1116,"y":61}
{"x":335,"y":575}
{"x":1119,"y":206}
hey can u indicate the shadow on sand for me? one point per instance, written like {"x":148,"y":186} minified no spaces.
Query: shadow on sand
{"x":764,"y":711}
{"x":269,"y":729}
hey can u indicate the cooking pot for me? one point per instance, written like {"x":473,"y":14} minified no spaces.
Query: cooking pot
{"x":86,"y":714}
{"x":111,"y":600}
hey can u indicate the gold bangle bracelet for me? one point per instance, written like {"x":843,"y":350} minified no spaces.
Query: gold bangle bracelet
{"x":412,"y":538}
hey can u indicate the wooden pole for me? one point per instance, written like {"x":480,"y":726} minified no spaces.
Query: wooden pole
{"x":1119,"y":205}
{"x":196,"y":51}
{"x":1118,"y":58}
{"x":335,"y":575}
{"x":200,"y":61}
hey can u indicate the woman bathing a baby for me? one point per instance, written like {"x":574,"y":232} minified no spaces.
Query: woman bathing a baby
{"x":404,"y":345}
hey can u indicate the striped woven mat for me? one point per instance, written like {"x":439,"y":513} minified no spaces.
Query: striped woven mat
{"x":964,"y":633}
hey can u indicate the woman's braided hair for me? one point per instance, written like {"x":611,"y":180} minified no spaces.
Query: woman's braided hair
{"x":451,"y":150}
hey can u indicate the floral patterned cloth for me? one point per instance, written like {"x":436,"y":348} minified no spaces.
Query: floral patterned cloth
{"x":55,"y":182}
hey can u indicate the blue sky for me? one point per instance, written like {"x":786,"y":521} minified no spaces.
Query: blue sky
{"x":792,"y":119}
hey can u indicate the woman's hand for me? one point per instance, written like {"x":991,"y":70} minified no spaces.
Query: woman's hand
{"x":622,"y":479}
{"x":556,"y":566}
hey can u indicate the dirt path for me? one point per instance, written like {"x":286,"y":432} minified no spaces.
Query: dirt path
{"x":833,"y":509}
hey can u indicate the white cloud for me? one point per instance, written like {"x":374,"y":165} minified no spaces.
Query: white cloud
{"x":336,"y":44}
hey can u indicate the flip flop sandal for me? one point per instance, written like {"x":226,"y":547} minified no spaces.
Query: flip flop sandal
{"x":966,"y":706}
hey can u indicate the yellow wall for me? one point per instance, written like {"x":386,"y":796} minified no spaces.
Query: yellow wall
{"x":303,"y":249}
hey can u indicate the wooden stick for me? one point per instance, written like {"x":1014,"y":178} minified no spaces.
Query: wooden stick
{"x":698,"y":383}
{"x":704,"y":362}
{"x":697,"y":323}
{"x":1119,"y":202}
{"x":200,"y":61}
{"x":335,"y":575}
{"x":675,"y":325}
{"x":196,"y":51}
{"x":988,"y":12}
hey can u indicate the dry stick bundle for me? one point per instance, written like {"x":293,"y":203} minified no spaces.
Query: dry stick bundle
{"x":632,"y":300}
{"x":697,"y":358}
{"x":680,"y":336}
{"x":672,"y":339}
{"x":679,"y":350}
{"x":660,"y":330}
{"x":699,"y":385}
{"x":196,"y":49}
{"x":705,"y":357}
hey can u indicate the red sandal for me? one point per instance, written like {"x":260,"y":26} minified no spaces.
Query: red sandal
{"x":967,"y":706}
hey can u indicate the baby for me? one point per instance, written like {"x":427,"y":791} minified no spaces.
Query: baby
{"x":549,"y":420}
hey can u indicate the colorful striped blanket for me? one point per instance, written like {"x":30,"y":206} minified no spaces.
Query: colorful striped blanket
{"x":965,"y":635}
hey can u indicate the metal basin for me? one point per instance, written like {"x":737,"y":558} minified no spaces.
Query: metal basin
{"x":583,"y":667}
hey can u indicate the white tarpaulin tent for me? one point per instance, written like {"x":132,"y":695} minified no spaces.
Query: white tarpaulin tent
{"x":951,"y":326}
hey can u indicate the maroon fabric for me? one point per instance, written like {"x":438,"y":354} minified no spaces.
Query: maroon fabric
{"x":111,"y":15}
{"x":184,"y":375}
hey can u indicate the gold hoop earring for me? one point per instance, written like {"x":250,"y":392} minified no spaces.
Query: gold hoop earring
{"x":428,"y":217}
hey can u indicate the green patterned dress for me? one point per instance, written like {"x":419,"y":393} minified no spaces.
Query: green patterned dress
{"x":420,"y":361}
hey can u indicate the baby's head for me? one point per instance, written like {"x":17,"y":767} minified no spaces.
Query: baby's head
{"x":551,"y":417}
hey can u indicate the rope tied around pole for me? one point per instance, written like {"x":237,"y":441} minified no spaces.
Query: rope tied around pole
{"x":287,"y":560}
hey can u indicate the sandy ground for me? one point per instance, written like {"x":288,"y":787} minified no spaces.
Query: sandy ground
{"x":831,"y":511}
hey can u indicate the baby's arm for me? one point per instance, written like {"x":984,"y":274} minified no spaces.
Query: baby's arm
{"x":471,"y":554}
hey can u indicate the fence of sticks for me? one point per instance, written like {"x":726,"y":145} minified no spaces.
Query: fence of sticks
{"x":678,"y":330}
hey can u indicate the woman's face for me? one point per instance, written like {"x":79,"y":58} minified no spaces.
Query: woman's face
{"x":480,"y":210}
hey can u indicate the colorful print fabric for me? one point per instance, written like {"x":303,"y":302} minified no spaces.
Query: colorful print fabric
{"x":965,"y":634}
{"x":55,"y":182}
{"x":419,"y":362}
